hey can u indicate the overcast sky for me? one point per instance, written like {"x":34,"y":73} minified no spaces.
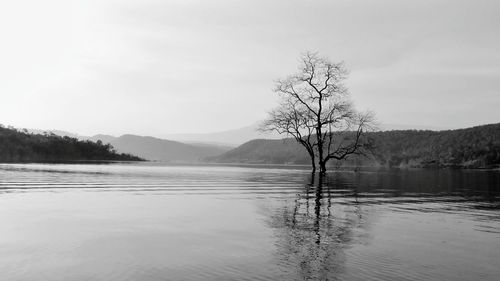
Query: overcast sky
{"x":160,"y":67}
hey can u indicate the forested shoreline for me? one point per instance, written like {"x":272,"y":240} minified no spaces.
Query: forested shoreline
{"x":476,"y":147}
{"x":21,"y":146}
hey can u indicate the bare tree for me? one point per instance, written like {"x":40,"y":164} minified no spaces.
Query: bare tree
{"x":316,"y":110}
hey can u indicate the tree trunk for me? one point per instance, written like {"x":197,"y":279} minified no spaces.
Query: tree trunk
{"x":313,"y":164}
{"x":320,"y":152}
{"x":322,"y":167}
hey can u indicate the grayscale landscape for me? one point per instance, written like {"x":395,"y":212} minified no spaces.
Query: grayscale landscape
{"x":249,"y":140}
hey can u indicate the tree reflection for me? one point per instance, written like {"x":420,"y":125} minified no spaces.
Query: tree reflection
{"x":314,"y":230}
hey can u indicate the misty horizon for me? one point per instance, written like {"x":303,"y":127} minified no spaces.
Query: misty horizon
{"x":196,"y":137}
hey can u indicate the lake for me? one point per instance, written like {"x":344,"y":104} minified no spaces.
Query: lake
{"x":149,"y":221}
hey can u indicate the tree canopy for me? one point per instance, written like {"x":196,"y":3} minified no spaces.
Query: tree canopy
{"x":316,"y":110}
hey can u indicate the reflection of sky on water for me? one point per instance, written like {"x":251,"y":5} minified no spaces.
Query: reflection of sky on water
{"x":148,"y":221}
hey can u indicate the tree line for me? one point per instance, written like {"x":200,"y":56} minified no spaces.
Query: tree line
{"x":472,"y":147}
{"x":21,"y":146}
{"x":476,"y":147}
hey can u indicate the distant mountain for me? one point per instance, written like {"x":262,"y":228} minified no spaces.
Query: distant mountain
{"x":22,"y":146}
{"x":157,"y":149}
{"x":239,"y":136}
{"x":151,"y":148}
{"x":472,"y":147}
{"x":103,"y":138}
{"x":229,"y":138}
{"x":57,"y":132}
{"x":264,"y":151}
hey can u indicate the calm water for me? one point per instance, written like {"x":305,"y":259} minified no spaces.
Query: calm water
{"x":152,"y":222}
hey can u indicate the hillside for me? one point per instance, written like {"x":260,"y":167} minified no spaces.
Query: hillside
{"x":157,"y":149}
{"x":21,"y":146}
{"x":284,"y":151}
{"x":104,"y":138}
{"x":230,"y":137}
{"x":472,"y":147}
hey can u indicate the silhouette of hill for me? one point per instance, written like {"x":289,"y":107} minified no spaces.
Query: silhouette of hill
{"x":151,"y":148}
{"x":284,"y":151}
{"x":228,"y":138}
{"x":163,"y":150}
{"x":472,"y":147}
{"x":22,"y":146}
{"x":241,"y":135}
{"x":103,"y":138}
{"x":60,"y":133}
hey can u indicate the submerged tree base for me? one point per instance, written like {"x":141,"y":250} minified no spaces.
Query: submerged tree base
{"x":316,"y":111}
